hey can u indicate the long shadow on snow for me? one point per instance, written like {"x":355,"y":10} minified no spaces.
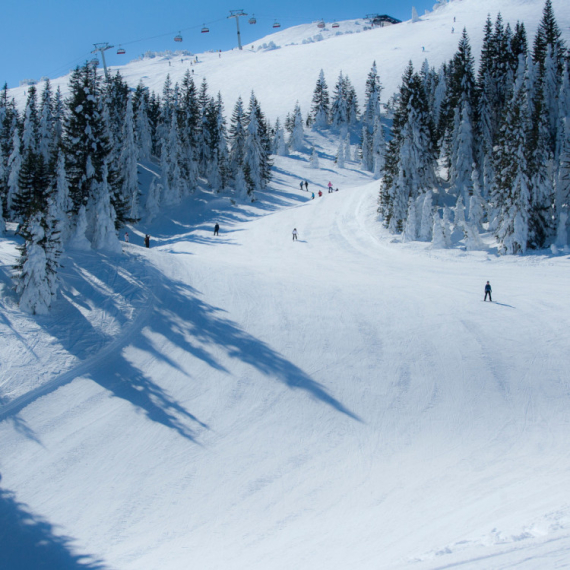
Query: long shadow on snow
{"x":195,"y":319}
{"x":109,"y":285}
{"x":27,"y":541}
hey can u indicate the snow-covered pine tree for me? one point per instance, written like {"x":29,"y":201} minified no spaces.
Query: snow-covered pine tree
{"x":562,"y":204}
{"x":472,"y":239}
{"x":35,"y":273}
{"x":279,"y":144}
{"x":60,"y":198}
{"x":253,"y":153}
{"x":87,"y":145}
{"x":14,"y":166}
{"x":378,"y":148}
{"x":438,"y":237}
{"x":30,"y":133}
{"x":426,"y":224}
{"x":320,"y":109}
{"x":237,"y":135}
{"x":410,"y":232}
{"x":513,"y":196}
{"x":297,"y":138}
{"x":372,"y":99}
{"x":143,"y":132}
{"x":104,"y":232}
{"x":476,"y":204}
{"x":410,"y":162}
{"x":189,"y":124}
{"x":367,"y":158}
{"x":459,"y":213}
{"x":152,"y":205}
{"x":339,"y":107}
{"x":46,"y":135}
{"x":129,"y":163}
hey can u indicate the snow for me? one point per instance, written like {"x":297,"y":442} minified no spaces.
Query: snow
{"x":249,"y":402}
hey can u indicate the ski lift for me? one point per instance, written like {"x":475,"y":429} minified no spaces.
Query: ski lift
{"x":252,"y":20}
{"x":205,"y":30}
{"x":336,"y":25}
{"x":276,"y":24}
{"x":121,"y":51}
{"x":178,"y":37}
{"x":321,"y":24}
{"x":94,"y":61}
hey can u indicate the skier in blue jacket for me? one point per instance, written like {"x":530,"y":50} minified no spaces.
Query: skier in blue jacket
{"x":488,"y":291}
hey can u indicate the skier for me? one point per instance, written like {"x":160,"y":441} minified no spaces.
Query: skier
{"x":306,"y":186}
{"x":320,"y":193}
{"x":294,"y":234}
{"x":301,"y":185}
{"x":488,"y":291}
{"x":312,"y":195}
{"x":126,"y":237}
{"x":147,"y":240}
{"x":217,"y":229}
{"x":330,"y":186}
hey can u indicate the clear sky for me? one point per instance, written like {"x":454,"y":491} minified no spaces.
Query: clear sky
{"x":48,"y":38}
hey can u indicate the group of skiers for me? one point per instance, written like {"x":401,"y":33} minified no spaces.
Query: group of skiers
{"x":330,"y":187}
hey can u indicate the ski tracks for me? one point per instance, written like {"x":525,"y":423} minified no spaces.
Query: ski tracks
{"x":138,"y":296}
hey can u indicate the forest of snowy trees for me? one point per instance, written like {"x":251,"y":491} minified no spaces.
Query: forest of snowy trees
{"x":467,"y":151}
{"x":69,"y":169}
{"x":494,"y":145}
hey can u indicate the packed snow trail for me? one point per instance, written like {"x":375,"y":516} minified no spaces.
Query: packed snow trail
{"x":335,"y":402}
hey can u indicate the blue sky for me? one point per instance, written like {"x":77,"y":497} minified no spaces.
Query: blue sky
{"x":40,"y":38}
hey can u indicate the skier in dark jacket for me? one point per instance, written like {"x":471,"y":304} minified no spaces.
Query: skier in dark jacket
{"x":216,"y":229}
{"x":488,"y":291}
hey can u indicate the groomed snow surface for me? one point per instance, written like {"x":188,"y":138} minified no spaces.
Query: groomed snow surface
{"x":249,"y":402}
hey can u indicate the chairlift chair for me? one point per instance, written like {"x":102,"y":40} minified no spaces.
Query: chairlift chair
{"x":276,"y":24}
{"x":205,"y":30}
{"x":121,"y":51}
{"x":336,"y":25}
{"x":94,"y":61}
{"x":178,"y":38}
{"x":252,"y":20}
{"x":321,"y":24}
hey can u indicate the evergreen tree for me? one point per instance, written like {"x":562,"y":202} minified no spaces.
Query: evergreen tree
{"x":438,"y":237}
{"x":279,"y":145}
{"x":87,"y":144}
{"x":237,"y":135}
{"x":320,"y":109}
{"x":372,"y":99}
{"x":46,"y":133}
{"x":129,"y":163}
{"x":410,"y":232}
{"x":314,"y":159}
{"x":426,"y":225}
{"x":296,"y":140}
{"x":513,"y":196}
{"x":104,"y":233}
{"x":143,"y":131}
{"x":153,"y":200}
{"x":410,"y":164}
{"x":339,"y":108}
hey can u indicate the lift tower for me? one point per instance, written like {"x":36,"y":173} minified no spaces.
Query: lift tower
{"x":102,"y":48}
{"x":236,"y":14}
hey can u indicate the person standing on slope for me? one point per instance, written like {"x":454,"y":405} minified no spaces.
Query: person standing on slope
{"x":306,"y":186}
{"x":330,"y":186}
{"x":488,"y":291}
{"x":216,"y":229}
{"x":294,"y":234}
{"x":301,"y":185}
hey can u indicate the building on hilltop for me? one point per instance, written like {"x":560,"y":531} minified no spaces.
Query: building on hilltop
{"x":382,"y":20}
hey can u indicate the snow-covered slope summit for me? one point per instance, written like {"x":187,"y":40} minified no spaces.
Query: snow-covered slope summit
{"x":282,"y":76}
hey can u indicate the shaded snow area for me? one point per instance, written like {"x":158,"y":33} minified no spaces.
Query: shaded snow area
{"x":250,"y":402}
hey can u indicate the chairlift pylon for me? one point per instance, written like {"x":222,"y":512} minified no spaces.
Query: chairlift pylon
{"x":178,"y":37}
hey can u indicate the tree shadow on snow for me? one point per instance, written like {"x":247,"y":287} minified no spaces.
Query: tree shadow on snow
{"x":167,"y":315}
{"x":27,"y":541}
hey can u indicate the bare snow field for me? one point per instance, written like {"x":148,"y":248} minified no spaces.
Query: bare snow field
{"x":247,"y":402}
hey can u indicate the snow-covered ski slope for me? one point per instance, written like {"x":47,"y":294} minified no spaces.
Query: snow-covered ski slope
{"x":250,"y":403}
{"x":282,"y":76}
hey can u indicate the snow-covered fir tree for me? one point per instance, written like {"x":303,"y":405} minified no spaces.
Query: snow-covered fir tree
{"x":104,"y":232}
{"x":297,"y":138}
{"x":152,"y":205}
{"x":320,"y":109}
{"x":314,"y":161}
{"x":438,"y":237}
{"x":279,"y":145}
